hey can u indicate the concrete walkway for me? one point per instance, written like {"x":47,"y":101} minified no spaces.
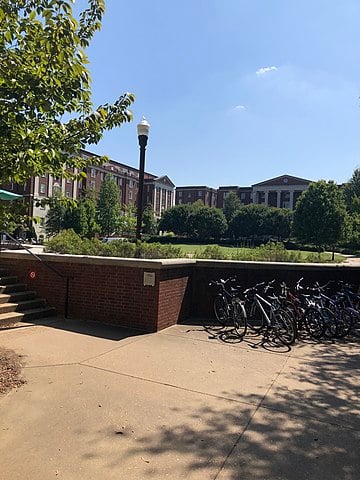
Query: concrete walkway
{"x":109,"y":403}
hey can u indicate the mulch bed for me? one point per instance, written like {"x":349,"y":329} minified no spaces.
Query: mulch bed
{"x":10,"y":370}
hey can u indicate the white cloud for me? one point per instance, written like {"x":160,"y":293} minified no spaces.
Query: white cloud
{"x":239,"y":107}
{"x":265,"y":70}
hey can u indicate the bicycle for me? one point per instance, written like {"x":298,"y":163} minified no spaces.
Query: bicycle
{"x":228,"y":307}
{"x":266,"y":316}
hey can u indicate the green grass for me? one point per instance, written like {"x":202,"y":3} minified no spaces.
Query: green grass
{"x":192,"y":249}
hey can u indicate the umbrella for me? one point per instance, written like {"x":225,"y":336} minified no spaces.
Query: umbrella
{"x":5,"y":195}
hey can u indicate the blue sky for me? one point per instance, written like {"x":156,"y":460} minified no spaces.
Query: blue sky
{"x":236,"y":91}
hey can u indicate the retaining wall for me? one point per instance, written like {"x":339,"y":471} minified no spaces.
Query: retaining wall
{"x":150,"y":294}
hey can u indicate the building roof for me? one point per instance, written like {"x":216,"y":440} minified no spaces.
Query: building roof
{"x":195,"y":187}
{"x":283,"y":180}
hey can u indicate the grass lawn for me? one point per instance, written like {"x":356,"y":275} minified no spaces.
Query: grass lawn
{"x":191,"y":249}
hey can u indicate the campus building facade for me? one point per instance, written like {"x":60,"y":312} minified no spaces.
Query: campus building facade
{"x":159,"y":192}
{"x":281,"y":192}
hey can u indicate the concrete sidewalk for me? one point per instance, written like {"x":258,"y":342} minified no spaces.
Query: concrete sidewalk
{"x":109,"y":403}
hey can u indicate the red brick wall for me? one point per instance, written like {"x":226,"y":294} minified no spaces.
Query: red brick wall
{"x":104,"y":293}
{"x":114,"y":292}
{"x":174,"y":296}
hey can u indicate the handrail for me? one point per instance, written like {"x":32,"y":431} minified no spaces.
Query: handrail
{"x":50,"y":267}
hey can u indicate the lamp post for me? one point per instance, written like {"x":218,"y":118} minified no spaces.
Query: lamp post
{"x":143,"y":133}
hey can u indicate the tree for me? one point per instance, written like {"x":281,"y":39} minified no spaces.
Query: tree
{"x":352,"y":192}
{"x":149,"y":220}
{"x":127,"y":221}
{"x":89,"y":203}
{"x":75,"y":217}
{"x":43,"y":79}
{"x":108,"y":207}
{"x":249,"y":221}
{"x":207,"y":222}
{"x":232,"y":205}
{"x":175,"y":219}
{"x":277,"y":222}
{"x":55,"y":217}
{"x":320,"y":214}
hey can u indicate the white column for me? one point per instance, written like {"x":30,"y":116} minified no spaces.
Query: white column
{"x":173,"y":198}
{"x":160,"y":211}
{"x":166,"y":199}
{"x":278,"y":198}
{"x":36,"y":187}
{"x":266,"y":197}
{"x":291,"y":200}
{"x":154,"y":199}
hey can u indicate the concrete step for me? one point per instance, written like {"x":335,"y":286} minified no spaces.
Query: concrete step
{"x":12,"y":317}
{"x":22,"y":306}
{"x":15,"y":287}
{"x":7,"y":280}
{"x":16,"y":296}
{"x":3,"y":272}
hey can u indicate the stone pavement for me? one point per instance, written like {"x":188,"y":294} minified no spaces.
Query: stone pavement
{"x":109,"y":403}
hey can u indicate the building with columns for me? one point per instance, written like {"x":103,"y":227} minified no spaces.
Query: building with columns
{"x":158,"y":191}
{"x":281,"y":192}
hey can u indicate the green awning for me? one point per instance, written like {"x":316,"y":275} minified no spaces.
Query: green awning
{"x":5,"y":195}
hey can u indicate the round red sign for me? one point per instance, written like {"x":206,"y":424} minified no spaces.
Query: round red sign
{"x":32,"y":275}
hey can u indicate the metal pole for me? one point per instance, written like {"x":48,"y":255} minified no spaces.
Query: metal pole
{"x":142,"y":142}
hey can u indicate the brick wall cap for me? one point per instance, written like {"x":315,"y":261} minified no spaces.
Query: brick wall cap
{"x":95,"y":260}
{"x":273,"y":265}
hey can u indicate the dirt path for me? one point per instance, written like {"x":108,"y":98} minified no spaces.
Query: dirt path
{"x":10,"y":370}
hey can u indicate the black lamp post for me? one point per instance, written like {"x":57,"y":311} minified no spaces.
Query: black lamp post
{"x":143,"y":133}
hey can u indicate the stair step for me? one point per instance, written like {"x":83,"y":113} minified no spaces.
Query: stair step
{"x":31,"y":314}
{"x":3,"y":272}
{"x":15,"y":287}
{"x":8,"y":280}
{"x":16,"y":297}
{"x":22,"y":306}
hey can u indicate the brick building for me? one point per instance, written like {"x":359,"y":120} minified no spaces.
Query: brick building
{"x":282,"y":192}
{"x":192,"y":194}
{"x":158,"y":191}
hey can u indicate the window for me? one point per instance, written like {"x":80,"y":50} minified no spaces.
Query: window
{"x":180,"y":194}
{"x":102,"y":175}
{"x":92,"y":184}
{"x":93,"y":173}
{"x":119,"y":181}
{"x":68,"y":180}
{"x":130,"y":195}
{"x":242,"y":196}
{"x":42,"y":188}
{"x":131,"y":184}
{"x":189,"y":195}
{"x":200,"y":193}
{"x":180,"y":201}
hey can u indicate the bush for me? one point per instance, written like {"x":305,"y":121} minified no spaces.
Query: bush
{"x":69,"y":242}
{"x":213,"y":252}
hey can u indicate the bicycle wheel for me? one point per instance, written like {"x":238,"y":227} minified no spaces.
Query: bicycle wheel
{"x":221,"y":310}
{"x":255,"y":318}
{"x":345,"y":322}
{"x":239,"y":317}
{"x":314,"y":322}
{"x":284,"y":327}
{"x":330,"y":323}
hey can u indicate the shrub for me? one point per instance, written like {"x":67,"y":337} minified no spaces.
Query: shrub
{"x":69,"y":242}
{"x":213,"y":252}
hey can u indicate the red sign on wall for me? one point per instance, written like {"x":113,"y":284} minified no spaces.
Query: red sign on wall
{"x":32,"y":275}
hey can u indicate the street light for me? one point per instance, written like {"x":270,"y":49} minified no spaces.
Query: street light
{"x":143,"y":132}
